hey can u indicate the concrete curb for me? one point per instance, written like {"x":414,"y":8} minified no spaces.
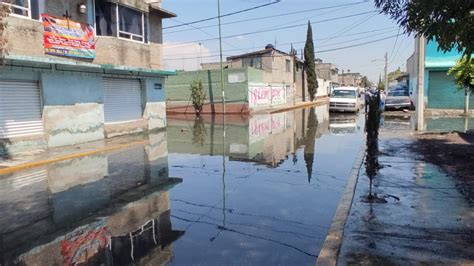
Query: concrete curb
{"x":332,"y":245}
{"x":28,"y":165}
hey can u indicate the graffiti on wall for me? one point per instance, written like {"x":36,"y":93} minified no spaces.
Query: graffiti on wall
{"x":278,"y":95}
{"x":259,"y":96}
{"x":261,"y":126}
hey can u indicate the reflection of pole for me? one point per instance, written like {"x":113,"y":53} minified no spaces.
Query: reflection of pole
{"x":220,"y":52}
{"x":223,"y":169}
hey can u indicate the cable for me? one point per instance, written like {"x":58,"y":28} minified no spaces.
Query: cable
{"x":271,"y":16}
{"x":351,"y":27}
{"x":274,"y":29}
{"x":225,"y":15}
{"x":330,"y":44}
{"x":395,"y":44}
{"x":390,"y":29}
{"x":356,"y":45}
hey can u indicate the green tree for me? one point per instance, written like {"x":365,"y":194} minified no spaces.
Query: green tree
{"x":365,"y":83}
{"x":198,"y":96}
{"x":311,"y":78}
{"x":464,"y":74}
{"x":381,"y":84}
{"x":450,"y":23}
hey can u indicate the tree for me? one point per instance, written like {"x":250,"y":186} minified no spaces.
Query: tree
{"x":380,"y":85}
{"x":198,"y":96}
{"x":365,"y":83}
{"x":450,"y":23}
{"x":311,"y":78}
{"x":464,"y":73}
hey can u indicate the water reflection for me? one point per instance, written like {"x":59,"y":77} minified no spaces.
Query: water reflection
{"x":99,"y":209}
{"x":342,"y":123}
{"x":244,"y":197}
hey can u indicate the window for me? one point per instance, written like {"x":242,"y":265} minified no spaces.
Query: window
{"x":24,"y":8}
{"x":255,"y":62}
{"x":120,"y":21}
{"x":288,"y":65}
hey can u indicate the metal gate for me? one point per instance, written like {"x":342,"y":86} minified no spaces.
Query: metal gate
{"x":122,"y":100}
{"x":20,"y":109}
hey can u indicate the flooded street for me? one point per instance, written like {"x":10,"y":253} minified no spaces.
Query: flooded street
{"x":258,"y":190}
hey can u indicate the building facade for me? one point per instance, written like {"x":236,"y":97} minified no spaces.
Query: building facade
{"x":439,"y":90}
{"x":350,"y":79}
{"x":327,"y":71}
{"x":57,"y":89}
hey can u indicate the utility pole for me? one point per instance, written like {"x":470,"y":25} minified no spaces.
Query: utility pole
{"x":220,"y":51}
{"x":386,"y":75}
{"x":420,"y":98}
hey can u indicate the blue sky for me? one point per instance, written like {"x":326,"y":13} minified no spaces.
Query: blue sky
{"x":328,"y":35}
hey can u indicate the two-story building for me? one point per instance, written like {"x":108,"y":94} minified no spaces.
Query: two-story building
{"x":327,"y":71}
{"x":79,"y":70}
{"x":260,"y":79}
{"x":350,"y":79}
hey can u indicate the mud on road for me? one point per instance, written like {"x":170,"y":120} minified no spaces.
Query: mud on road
{"x":454,"y":153}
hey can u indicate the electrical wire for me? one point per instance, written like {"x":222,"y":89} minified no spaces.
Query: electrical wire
{"x":330,"y":44}
{"x":224,"y":15}
{"x":270,"y":16}
{"x":390,"y":29}
{"x":274,"y":29}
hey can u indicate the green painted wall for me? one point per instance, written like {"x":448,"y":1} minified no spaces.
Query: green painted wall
{"x":443,"y":93}
{"x":178,"y":87}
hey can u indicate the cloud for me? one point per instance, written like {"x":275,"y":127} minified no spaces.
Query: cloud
{"x":186,"y":56}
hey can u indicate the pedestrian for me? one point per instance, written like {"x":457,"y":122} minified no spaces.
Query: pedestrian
{"x":367,"y":96}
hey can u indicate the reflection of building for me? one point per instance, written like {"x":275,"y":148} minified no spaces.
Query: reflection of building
{"x":264,"y":138}
{"x":91,"y":210}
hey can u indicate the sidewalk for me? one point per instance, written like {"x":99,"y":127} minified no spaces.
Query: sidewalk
{"x":25,"y":160}
{"x":419,"y":217}
{"x":287,"y":107}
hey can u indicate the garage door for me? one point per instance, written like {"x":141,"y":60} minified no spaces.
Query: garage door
{"x":443,"y":93}
{"x":122,"y":100}
{"x":20,"y":109}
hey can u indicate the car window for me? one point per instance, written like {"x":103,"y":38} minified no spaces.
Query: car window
{"x":398,"y":93}
{"x":344,"y":94}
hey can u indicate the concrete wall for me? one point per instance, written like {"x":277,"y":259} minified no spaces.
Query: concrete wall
{"x":25,"y":37}
{"x":73,"y":109}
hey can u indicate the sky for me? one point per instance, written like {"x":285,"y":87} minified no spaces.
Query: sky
{"x":336,"y":24}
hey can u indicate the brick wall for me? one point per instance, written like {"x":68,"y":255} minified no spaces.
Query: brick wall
{"x":4,"y":11}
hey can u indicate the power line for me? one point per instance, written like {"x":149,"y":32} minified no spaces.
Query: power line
{"x":331,"y":44}
{"x":320,"y":51}
{"x":352,"y":26}
{"x":395,"y":44}
{"x":274,"y":29}
{"x":224,"y":15}
{"x":381,"y":31}
{"x":271,"y":16}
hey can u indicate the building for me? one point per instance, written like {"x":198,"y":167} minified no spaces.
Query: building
{"x":78,"y":71}
{"x":350,"y":79}
{"x":327,"y":71}
{"x":260,"y":79}
{"x":439,"y":90}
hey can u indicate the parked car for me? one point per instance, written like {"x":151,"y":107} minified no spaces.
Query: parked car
{"x":345,"y":99}
{"x":398,"y":98}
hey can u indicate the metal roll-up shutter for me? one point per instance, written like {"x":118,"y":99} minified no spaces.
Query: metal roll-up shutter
{"x":122,"y":100}
{"x":20,"y":109}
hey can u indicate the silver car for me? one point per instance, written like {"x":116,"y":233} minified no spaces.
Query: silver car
{"x":398,"y":98}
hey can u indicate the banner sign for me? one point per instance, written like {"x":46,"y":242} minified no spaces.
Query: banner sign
{"x":68,"y":38}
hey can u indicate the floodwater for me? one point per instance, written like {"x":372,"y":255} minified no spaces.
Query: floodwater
{"x":256,"y":191}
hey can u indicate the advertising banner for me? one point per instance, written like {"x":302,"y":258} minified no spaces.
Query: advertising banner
{"x":69,"y":38}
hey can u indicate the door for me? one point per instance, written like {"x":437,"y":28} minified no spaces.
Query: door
{"x":20,"y":109}
{"x":122,"y":100}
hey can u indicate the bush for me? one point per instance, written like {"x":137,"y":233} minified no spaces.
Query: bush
{"x":198,"y":96}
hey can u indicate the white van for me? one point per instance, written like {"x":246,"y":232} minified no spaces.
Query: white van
{"x":345,"y":99}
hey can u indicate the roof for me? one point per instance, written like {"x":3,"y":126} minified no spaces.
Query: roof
{"x":163,"y":12}
{"x":261,"y":52}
